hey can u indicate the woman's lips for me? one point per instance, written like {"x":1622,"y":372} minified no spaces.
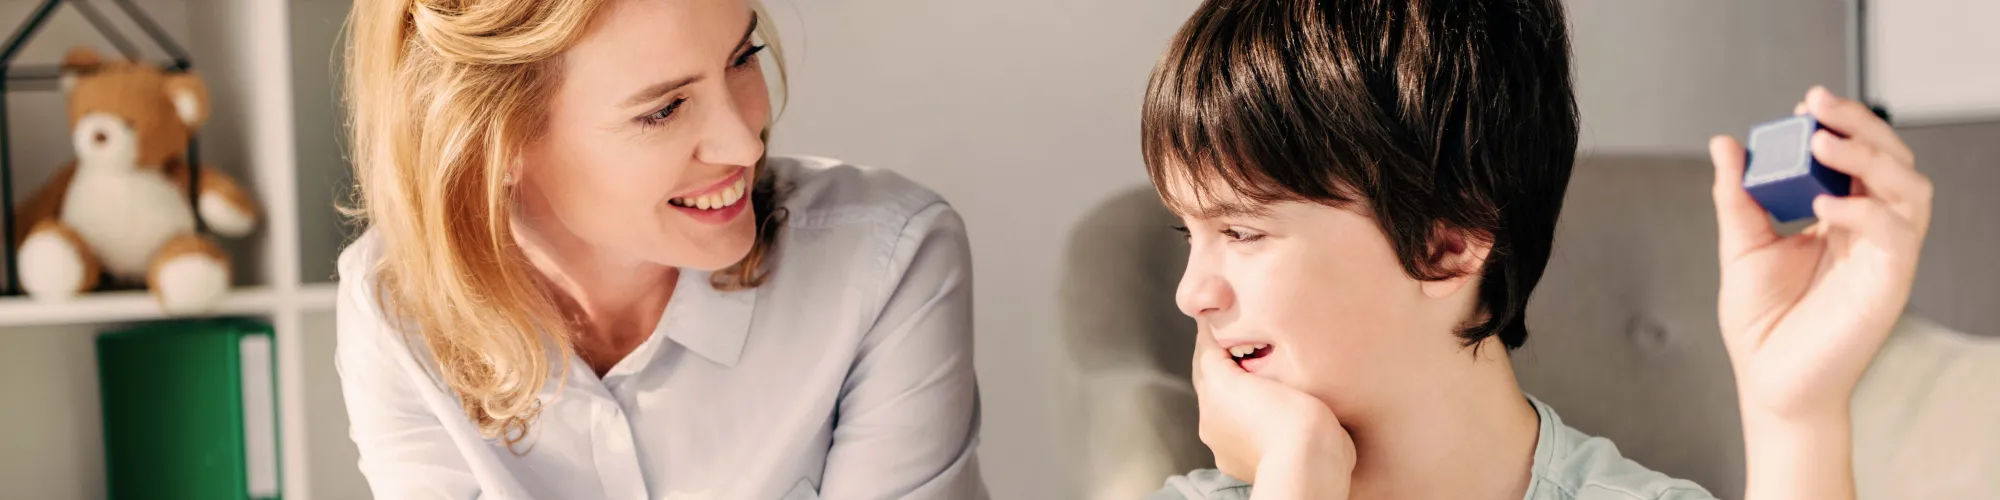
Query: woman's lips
{"x":719,"y":203}
{"x":722,"y":193}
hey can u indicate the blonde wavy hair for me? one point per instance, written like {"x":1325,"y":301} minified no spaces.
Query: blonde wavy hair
{"x":442,"y":96}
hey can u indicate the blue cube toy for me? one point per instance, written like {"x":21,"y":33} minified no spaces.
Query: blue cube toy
{"x":1782,"y":174}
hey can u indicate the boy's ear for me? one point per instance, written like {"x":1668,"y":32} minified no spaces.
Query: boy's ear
{"x":1462,"y":253}
{"x":189,"y":96}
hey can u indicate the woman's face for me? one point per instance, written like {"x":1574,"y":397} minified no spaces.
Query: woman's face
{"x":652,"y":136}
{"x":1322,"y":287}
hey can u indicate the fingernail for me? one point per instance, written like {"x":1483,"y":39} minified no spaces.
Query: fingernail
{"x":1819,"y":95}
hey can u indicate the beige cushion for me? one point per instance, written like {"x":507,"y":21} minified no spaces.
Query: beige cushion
{"x":1927,"y":416}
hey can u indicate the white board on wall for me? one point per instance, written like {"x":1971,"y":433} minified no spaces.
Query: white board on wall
{"x":1934,"y":61}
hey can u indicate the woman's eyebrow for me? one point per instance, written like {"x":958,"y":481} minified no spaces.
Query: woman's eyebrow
{"x":654,"y":91}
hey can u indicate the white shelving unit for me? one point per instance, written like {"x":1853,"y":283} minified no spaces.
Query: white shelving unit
{"x":133,"y":305}
{"x":269,"y":68}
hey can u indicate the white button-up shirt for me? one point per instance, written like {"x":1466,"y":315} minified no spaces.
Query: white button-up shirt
{"x":848,"y":374}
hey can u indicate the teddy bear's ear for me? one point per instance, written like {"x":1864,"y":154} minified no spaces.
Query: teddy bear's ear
{"x":190,"y":97}
{"x":78,"y":61}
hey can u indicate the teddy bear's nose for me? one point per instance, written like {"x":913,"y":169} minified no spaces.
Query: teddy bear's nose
{"x":98,"y":138}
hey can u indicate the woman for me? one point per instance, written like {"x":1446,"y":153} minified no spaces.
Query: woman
{"x":583,"y":278}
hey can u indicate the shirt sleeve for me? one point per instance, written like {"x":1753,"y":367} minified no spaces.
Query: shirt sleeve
{"x":405,"y":450}
{"x":1689,"y":492}
{"x":1204,"y":484}
{"x":908,"y":415}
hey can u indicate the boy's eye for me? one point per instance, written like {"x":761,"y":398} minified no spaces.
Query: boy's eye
{"x":1185,"y":235}
{"x":1241,"y":235}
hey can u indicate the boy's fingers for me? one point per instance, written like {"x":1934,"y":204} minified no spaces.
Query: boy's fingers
{"x":1855,"y":120}
{"x":1743,"y":223}
{"x":1884,"y":176}
{"x":1800,"y":108}
{"x":1209,"y":358}
{"x":1866,"y":218}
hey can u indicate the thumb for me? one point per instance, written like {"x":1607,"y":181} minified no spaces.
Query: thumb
{"x":1744,"y":224}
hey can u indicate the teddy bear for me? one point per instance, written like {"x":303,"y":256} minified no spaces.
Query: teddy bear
{"x":122,"y":208}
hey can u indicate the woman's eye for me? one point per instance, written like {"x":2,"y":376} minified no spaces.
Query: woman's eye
{"x":1185,"y":235}
{"x":1241,"y":236}
{"x":658,"y":117}
{"x":749,"y":56}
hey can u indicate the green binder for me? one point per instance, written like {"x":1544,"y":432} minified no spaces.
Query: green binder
{"x":190,"y":411}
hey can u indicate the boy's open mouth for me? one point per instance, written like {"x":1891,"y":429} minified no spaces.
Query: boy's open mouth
{"x":1243,"y":354}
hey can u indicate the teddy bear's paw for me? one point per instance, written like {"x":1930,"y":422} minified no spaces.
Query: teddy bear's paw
{"x":52,"y":267}
{"x":190,"y":284}
{"x":225,"y":216}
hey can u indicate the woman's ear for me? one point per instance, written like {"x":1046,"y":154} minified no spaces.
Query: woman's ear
{"x":1460,"y":252}
{"x":512,"y":174}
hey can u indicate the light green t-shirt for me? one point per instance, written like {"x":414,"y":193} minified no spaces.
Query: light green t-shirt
{"x":1569,"y":465}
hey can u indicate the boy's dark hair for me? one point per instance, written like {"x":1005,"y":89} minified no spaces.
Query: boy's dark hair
{"x":1431,"y":116}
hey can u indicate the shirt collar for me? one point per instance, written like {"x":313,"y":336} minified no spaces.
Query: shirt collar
{"x":712,"y":323}
{"x":1545,"y":438}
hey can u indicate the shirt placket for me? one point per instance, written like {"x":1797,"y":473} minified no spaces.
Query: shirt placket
{"x":617,"y":455}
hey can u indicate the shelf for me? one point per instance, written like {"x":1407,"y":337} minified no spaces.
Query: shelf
{"x":316,"y":297}
{"x":137,"y":305}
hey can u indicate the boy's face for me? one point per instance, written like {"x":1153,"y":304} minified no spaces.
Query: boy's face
{"x":1323,"y":288}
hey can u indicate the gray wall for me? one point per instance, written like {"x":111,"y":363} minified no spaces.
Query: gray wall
{"x":1662,"y":76}
{"x":1958,"y":279}
{"x":324,"y":174}
{"x":1024,"y":114}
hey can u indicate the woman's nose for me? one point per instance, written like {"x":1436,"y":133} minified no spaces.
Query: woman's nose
{"x":730,"y":139}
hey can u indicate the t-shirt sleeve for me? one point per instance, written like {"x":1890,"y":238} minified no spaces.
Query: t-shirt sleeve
{"x":1204,"y":484}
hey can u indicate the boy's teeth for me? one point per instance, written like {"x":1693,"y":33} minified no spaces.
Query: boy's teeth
{"x":1244,"y":350}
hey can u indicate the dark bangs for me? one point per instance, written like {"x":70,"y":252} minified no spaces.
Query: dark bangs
{"x":1238,"y":102}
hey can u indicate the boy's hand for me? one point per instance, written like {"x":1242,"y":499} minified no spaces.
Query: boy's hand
{"x":1803,"y":315}
{"x":1261,"y":429}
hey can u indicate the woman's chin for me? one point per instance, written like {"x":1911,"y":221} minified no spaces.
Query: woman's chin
{"x":717,"y":257}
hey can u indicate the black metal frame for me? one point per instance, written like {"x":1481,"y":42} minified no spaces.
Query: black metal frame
{"x":10,"y":76}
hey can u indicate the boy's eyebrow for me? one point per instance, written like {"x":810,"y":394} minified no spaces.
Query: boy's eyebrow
{"x":1224,"y":210}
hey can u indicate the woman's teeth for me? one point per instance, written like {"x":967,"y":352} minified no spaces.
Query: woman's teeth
{"x":1239,"y":352}
{"x":715,"y":199}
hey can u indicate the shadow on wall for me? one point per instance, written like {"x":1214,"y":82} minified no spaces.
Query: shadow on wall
{"x":1131,"y":347}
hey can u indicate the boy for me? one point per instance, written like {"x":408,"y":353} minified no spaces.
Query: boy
{"x":1370,"y":191}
